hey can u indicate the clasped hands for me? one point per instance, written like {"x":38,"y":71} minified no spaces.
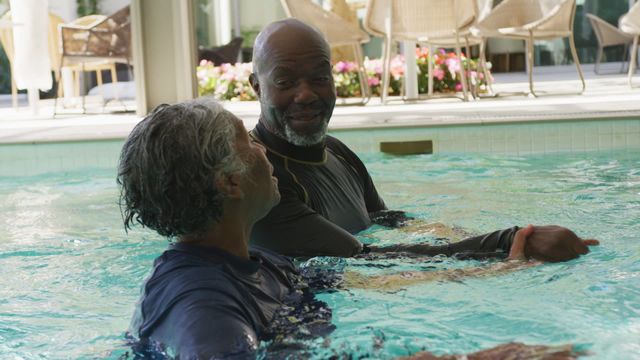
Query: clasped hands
{"x":549,"y":243}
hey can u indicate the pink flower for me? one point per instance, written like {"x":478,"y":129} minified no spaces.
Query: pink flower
{"x":340,"y":67}
{"x":374,"y":81}
{"x":454,"y":66}
{"x":397,"y":67}
{"x":438,"y":73}
{"x":458,"y":87}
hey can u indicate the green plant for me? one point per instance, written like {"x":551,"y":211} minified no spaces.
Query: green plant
{"x":86,"y":7}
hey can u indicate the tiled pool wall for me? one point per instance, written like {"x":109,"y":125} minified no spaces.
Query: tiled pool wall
{"x":35,"y":159}
{"x":517,"y":139}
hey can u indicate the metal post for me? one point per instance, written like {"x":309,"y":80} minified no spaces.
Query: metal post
{"x":410,"y":69}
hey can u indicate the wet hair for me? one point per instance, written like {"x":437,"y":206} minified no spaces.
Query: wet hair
{"x":169,"y":165}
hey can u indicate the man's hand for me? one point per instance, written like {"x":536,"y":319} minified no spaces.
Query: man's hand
{"x":550,"y":243}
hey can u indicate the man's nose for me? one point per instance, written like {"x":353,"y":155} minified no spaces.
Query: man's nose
{"x":305,"y":93}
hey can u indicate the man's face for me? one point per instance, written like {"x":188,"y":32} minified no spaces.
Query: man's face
{"x":295,"y":88}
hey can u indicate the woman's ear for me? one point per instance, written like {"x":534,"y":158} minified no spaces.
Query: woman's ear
{"x":229,"y":185}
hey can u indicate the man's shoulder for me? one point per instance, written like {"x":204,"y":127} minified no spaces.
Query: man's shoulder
{"x":336,"y":145}
{"x":340,"y":149}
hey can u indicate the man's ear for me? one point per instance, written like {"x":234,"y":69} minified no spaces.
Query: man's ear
{"x":253,"y":80}
{"x":229,"y":185}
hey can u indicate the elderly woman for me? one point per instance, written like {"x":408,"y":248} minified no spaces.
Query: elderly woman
{"x":190,"y":172}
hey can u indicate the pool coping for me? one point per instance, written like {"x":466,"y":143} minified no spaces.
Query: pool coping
{"x":607,"y":97}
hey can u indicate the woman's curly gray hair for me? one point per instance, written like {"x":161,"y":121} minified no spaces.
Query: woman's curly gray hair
{"x":169,"y":165}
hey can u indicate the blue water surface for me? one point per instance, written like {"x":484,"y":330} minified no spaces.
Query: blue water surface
{"x":70,"y":275}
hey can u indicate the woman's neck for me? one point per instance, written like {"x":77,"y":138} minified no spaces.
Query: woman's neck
{"x":225,"y":235}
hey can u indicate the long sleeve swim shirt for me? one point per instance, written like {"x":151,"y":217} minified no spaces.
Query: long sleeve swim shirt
{"x":204,"y":303}
{"x":327,"y":195}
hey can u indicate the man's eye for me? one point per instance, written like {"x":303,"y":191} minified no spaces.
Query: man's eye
{"x":283,"y":83}
{"x":323,"y":78}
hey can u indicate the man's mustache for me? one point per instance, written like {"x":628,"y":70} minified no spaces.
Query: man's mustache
{"x":304,"y":110}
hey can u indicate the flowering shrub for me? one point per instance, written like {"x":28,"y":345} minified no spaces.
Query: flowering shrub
{"x":231,"y":82}
{"x":225,"y":82}
{"x":445,"y":71}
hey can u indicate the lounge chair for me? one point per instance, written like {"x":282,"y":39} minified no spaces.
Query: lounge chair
{"x":630,"y":24}
{"x":96,"y":43}
{"x":420,"y":21}
{"x":224,"y":54}
{"x":531,"y":20}
{"x":608,"y":35}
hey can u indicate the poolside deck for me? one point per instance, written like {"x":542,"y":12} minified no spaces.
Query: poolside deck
{"x":606,"y":96}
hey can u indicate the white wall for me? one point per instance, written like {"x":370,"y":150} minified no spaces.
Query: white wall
{"x":258,"y":13}
{"x":66,"y":9}
{"x":111,"y":6}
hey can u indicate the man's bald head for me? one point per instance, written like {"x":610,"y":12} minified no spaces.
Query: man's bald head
{"x":293,"y":81}
{"x":281,"y":34}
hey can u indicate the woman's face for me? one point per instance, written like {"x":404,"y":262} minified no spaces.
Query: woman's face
{"x":259,"y":185}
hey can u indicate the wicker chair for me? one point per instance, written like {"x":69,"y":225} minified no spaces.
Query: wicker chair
{"x":608,"y":35}
{"x":224,"y":54}
{"x":532,"y":20}
{"x":337,"y":31}
{"x":483,"y":8}
{"x":630,"y":24}
{"x":96,"y":43}
{"x":6,"y":39}
{"x":416,"y":21}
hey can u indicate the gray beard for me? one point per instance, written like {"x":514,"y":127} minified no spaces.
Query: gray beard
{"x":305,"y":140}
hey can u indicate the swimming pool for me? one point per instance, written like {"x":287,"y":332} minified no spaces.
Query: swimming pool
{"x":69,"y":275}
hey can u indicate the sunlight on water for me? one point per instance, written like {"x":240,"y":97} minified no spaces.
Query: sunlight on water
{"x":70,"y":275}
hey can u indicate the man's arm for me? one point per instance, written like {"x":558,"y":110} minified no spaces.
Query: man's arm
{"x":495,"y":241}
{"x":546,"y":243}
{"x":508,"y":351}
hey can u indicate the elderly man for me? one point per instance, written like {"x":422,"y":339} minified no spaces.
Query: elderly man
{"x":190,"y":172}
{"x":327,"y":193}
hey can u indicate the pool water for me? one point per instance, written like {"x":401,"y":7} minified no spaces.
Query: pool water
{"x":70,"y":275}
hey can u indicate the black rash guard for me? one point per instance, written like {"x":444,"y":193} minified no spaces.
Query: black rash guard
{"x":202,"y":303}
{"x":326,"y":196}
